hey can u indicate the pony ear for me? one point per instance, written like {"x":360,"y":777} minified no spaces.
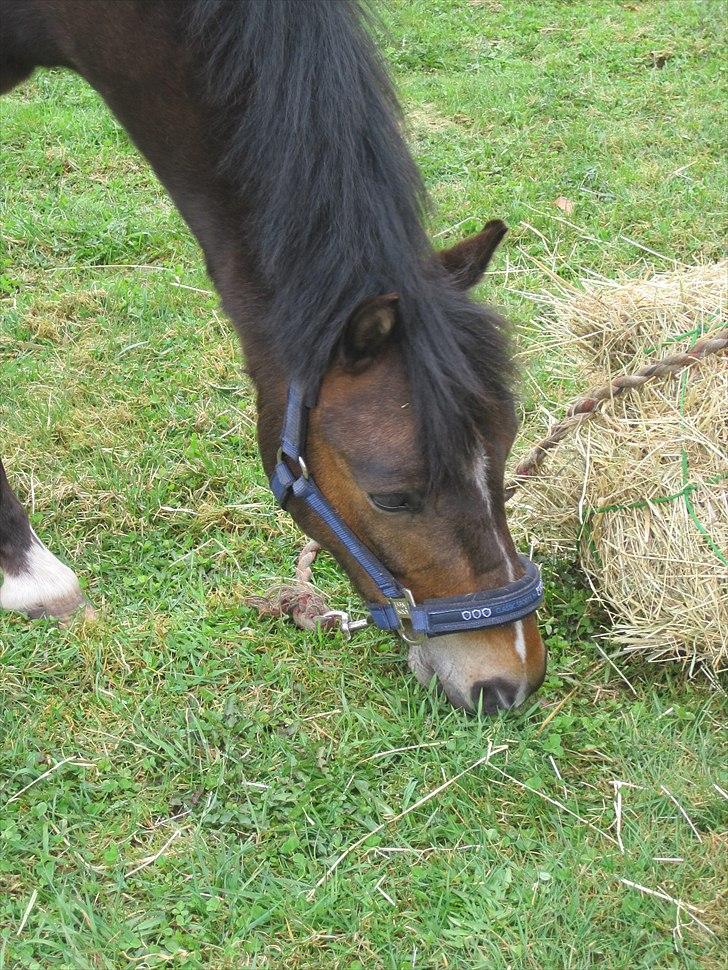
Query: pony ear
{"x":369,"y":329}
{"x":467,"y":261}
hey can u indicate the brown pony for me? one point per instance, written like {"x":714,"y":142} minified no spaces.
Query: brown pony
{"x":274,"y":128}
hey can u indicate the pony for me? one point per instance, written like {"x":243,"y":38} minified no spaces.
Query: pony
{"x":275,"y":129}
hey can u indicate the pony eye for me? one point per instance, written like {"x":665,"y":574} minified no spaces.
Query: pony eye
{"x":397,"y":502}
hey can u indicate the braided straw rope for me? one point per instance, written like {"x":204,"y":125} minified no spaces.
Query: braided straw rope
{"x":298,"y":599}
{"x":584,"y":407}
{"x":307,"y":607}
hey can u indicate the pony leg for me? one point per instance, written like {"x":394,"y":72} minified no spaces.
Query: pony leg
{"x":36,"y":582}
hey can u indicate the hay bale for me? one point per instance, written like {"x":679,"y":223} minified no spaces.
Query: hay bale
{"x":640,"y":488}
{"x":612,"y":327}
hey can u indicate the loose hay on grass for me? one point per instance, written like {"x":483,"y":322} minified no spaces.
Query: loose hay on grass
{"x":641,"y":487}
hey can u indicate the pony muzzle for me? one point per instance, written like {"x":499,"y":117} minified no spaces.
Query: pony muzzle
{"x":484,"y":671}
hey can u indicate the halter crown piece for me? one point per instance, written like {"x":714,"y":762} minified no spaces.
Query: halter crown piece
{"x":414,"y":622}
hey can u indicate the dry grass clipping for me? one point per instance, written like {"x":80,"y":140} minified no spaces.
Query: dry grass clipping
{"x":641,"y":488}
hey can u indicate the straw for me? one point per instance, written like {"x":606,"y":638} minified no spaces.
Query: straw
{"x":640,"y":489}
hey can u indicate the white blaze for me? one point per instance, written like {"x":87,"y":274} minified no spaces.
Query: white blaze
{"x":480,"y":473}
{"x":520,"y":639}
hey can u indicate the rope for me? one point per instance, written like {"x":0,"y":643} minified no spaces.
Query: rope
{"x":584,"y":407}
{"x":298,"y":599}
{"x":307,"y":607}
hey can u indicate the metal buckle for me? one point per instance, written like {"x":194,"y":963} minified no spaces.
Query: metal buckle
{"x":403,"y":606}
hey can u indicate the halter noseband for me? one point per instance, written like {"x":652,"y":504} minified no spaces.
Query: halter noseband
{"x":431,"y":617}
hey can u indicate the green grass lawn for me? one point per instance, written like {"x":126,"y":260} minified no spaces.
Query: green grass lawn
{"x":177,"y":777}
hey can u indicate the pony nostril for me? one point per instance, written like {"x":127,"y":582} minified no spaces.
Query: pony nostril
{"x":493,"y":695}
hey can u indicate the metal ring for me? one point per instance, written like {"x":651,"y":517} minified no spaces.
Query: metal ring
{"x":281,"y":457}
{"x":421,"y":637}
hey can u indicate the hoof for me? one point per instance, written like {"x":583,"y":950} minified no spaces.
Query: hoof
{"x":85,"y":613}
{"x":44,"y":588}
{"x":62,"y":609}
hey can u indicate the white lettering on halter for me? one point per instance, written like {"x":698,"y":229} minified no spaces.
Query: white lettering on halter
{"x":479,"y":614}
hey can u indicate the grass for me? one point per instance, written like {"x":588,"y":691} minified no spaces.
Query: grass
{"x":178,"y":776}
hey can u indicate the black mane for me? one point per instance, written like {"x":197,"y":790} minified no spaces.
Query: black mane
{"x":337,"y":204}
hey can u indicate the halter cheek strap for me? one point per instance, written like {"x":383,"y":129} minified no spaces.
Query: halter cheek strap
{"x":400,"y":613}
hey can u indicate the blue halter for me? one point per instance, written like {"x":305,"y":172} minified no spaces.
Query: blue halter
{"x":430,"y":618}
